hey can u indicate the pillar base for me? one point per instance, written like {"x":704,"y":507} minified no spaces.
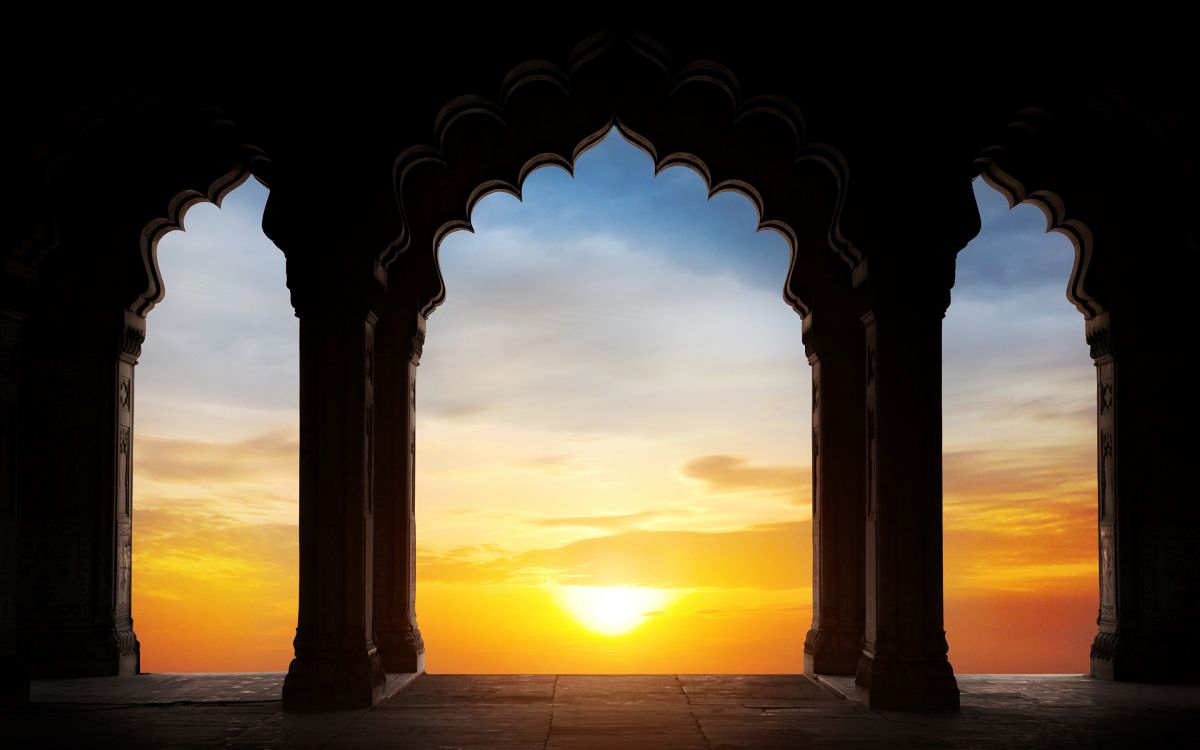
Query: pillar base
{"x":349,"y":681}
{"x":1125,"y":657}
{"x":906,"y":684}
{"x":402,"y":651}
{"x":90,"y":653}
{"x":832,"y":652}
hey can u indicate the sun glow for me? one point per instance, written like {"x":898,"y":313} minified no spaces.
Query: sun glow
{"x":612,"y":610}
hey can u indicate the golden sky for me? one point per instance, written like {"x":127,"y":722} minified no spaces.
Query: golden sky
{"x":613,"y":456}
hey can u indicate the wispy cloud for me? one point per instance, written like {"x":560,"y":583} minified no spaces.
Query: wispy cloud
{"x":618,"y":521}
{"x":725,"y":473}
{"x":172,"y":459}
{"x":768,"y":556}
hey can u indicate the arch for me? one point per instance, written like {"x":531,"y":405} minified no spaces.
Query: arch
{"x":1000,"y":165}
{"x":208,"y":155}
{"x":177,"y":209}
{"x":754,"y":146}
{"x":213,"y":182}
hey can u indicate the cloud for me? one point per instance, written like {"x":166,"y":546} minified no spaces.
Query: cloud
{"x":764,"y":556}
{"x":727,"y":474}
{"x":617,"y":521}
{"x":265,"y":456}
{"x":210,"y":545}
{"x":1050,"y":470}
{"x":1020,"y":519}
{"x":1013,"y":253}
{"x":560,"y":464}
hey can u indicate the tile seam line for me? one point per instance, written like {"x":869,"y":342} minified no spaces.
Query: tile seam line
{"x":692,"y":711}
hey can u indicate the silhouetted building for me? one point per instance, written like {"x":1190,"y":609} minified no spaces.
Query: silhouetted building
{"x":372,"y":159}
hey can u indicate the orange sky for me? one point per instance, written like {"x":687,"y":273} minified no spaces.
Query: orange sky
{"x":641,"y":424}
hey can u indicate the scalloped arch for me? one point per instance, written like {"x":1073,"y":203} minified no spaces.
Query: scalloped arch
{"x":216,"y":177}
{"x":177,"y":210}
{"x":1057,"y":220}
{"x":548,"y":116}
{"x":1028,"y":126}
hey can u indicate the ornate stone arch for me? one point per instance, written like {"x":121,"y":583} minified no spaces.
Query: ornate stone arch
{"x":1023,"y":178}
{"x":210,"y":182}
{"x":691,"y":115}
{"x":207,"y":155}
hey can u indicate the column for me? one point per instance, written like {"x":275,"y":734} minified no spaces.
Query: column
{"x":1105,"y":662}
{"x":904,"y":664}
{"x":336,"y":663}
{"x":75,"y":484}
{"x":14,"y":682}
{"x":1149,"y":522}
{"x":833,"y":340}
{"x":401,"y":336}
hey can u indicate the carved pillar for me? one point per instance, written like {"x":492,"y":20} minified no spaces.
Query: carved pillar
{"x":400,"y":338}
{"x":14,"y":682}
{"x":1103,"y":656}
{"x":336,"y":664}
{"x":833,"y":340}
{"x":75,"y":577}
{"x":1149,"y":523}
{"x":903,"y":664}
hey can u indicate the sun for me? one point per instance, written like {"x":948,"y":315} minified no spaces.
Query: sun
{"x":611,"y":610}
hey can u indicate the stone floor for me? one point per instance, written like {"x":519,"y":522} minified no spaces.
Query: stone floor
{"x":627,"y":712}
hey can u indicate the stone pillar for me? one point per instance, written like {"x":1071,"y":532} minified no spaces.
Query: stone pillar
{"x":400,"y":338}
{"x":75,"y":577}
{"x":903,"y":664}
{"x":833,"y":340}
{"x":1149,"y":522}
{"x":14,"y":682}
{"x":336,"y":663}
{"x":1105,"y":662}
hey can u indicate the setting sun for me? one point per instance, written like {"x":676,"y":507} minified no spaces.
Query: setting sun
{"x":612,"y":610}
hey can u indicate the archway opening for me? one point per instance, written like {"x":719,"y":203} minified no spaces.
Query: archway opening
{"x":1019,"y":457}
{"x":613,"y":426}
{"x":215,"y":458}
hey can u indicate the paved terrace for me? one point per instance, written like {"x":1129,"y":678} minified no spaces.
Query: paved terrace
{"x":627,"y":712}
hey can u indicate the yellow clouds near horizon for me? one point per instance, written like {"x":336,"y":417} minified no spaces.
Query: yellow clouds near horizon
{"x":725,"y":473}
{"x":215,"y":552}
{"x":216,"y":583}
{"x":768,"y":557}
{"x":212,"y":592}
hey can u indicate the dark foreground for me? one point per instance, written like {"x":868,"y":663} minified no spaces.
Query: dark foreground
{"x":627,"y":712}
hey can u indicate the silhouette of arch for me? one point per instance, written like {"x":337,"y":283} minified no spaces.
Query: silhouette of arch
{"x":548,"y":116}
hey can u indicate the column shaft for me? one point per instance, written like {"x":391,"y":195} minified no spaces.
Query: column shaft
{"x":835,"y":347}
{"x":904,"y":663}
{"x":1149,"y":522}
{"x":75,"y":576}
{"x":336,"y":662}
{"x":401,"y":337}
{"x":14,"y":682}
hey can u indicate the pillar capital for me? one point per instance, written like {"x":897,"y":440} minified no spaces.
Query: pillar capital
{"x":1098,"y":331}
{"x":918,"y":289}
{"x":830,"y":328}
{"x":333,"y":286}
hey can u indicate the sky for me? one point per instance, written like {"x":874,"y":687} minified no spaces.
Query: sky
{"x":613,"y":441}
